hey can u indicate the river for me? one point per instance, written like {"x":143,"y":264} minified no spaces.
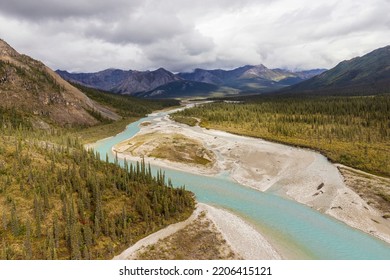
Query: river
{"x":288,"y":225}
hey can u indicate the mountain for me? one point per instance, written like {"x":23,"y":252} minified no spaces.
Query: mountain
{"x":30,"y":86}
{"x":250,"y":78}
{"x":221,"y":77}
{"x":217,"y":76}
{"x":120,"y":81}
{"x":203,"y":76}
{"x":180,"y":89}
{"x":369,"y":74}
{"x":141,"y":81}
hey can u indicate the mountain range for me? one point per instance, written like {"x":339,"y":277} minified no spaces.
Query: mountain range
{"x":32,"y":87}
{"x":369,"y":74}
{"x":250,"y":78}
{"x":249,"y":72}
{"x":200,"y":82}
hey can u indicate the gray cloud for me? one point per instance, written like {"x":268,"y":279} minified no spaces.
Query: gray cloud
{"x":139,"y":29}
{"x":85,"y":35}
{"x":57,"y":9}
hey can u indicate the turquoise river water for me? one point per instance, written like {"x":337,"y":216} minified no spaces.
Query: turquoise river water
{"x":300,"y":229}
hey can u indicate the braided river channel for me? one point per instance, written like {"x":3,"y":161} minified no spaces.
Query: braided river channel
{"x":297,"y":228}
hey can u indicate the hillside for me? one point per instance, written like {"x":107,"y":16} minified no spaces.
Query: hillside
{"x":369,"y":74}
{"x":32,"y":87}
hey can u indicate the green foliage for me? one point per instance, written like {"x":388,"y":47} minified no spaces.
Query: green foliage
{"x":12,"y":119}
{"x":98,"y":116}
{"x":95,"y":133}
{"x":60,"y":201}
{"x":186,"y":120}
{"x":351,"y":130}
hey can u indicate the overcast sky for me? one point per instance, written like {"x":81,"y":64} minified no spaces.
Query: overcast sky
{"x":180,"y":35}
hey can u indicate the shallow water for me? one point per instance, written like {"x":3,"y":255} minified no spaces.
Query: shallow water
{"x":300,"y":229}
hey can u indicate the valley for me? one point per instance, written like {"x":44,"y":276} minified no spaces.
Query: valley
{"x":106,"y":164}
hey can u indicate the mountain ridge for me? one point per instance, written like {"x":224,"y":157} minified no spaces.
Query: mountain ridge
{"x":31,"y":86}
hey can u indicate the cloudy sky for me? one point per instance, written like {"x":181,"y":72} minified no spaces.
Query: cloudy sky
{"x":180,"y":35}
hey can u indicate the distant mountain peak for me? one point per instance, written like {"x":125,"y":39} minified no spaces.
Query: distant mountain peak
{"x":260,"y":66}
{"x":256,"y":70}
{"x":161,"y":69}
